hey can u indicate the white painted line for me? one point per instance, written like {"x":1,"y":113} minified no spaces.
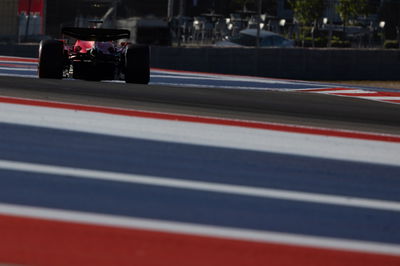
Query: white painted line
{"x":199,"y":230}
{"x":343,"y":91}
{"x":355,"y":92}
{"x":213,"y":86}
{"x":194,"y":85}
{"x":18,"y":75}
{"x":381,"y":98}
{"x":183,"y":77}
{"x":19,"y":62}
{"x":18,"y":69}
{"x":237,"y":78}
{"x":376,"y":152}
{"x":202,"y":186}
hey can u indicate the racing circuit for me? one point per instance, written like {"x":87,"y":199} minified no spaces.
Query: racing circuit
{"x":196,"y":169}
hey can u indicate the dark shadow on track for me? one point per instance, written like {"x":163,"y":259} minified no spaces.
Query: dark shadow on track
{"x":286,"y":107}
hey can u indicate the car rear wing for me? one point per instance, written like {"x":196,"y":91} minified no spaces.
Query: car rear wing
{"x":96,"y":34}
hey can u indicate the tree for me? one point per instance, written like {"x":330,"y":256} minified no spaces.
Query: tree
{"x":307,"y":11}
{"x":350,"y":8}
{"x":228,"y":6}
{"x":389,"y":12}
{"x":243,"y":4}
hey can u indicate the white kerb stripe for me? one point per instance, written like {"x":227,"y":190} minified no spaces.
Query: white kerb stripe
{"x":199,"y":230}
{"x":17,"y":75}
{"x":352,"y":92}
{"x":18,"y":69}
{"x":19,"y":63}
{"x":202,"y":186}
{"x":343,"y":91}
{"x":381,"y":98}
{"x":290,"y":143}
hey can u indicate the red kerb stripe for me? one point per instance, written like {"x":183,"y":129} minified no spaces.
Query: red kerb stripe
{"x":18,"y":66}
{"x":374,"y":94}
{"x":206,"y":120}
{"x":17,"y":59}
{"x":44,"y":242}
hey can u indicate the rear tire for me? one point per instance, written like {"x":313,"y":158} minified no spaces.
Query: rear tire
{"x":137,"y":64}
{"x":51,"y":59}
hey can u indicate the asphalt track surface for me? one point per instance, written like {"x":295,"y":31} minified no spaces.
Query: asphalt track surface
{"x":275,"y":106}
{"x":109,"y":173}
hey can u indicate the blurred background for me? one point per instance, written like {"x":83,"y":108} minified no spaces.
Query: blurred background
{"x":309,"y":23}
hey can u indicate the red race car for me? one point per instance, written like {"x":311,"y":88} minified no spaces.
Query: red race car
{"x":95,"y":55}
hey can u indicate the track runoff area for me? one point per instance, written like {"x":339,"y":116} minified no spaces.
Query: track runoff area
{"x":27,"y":67}
{"x":92,"y":185}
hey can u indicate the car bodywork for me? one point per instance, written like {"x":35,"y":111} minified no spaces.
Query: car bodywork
{"x":95,"y":55}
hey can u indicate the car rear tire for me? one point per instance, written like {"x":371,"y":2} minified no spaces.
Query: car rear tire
{"x":51,"y":59}
{"x":137,"y":64}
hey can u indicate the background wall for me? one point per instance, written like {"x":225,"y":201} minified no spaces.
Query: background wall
{"x":8,"y":19}
{"x":290,"y":63}
{"x":293,"y":63}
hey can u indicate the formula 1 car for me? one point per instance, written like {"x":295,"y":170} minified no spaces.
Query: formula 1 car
{"x":95,"y":55}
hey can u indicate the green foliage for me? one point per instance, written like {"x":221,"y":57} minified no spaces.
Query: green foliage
{"x":243,"y":3}
{"x":307,"y":11}
{"x":317,"y":42}
{"x":391,"y":44}
{"x":389,"y":12}
{"x":350,"y":8}
{"x":337,"y":42}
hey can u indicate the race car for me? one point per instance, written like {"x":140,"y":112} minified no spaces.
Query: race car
{"x":95,"y":56}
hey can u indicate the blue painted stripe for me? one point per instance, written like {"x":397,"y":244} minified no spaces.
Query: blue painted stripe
{"x":18,"y":72}
{"x":198,"y":207}
{"x":18,"y":65}
{"x":193,"y":78}
{"x":236,"y":83}
{"x":193,"y":162}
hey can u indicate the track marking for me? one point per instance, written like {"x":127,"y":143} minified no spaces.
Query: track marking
{"x":199,"y":230}
{"x":203,"y":119}
{"x":18,"y":64}
{"x":194,"y":85}
{"x":390,"y":97}
{"x":202,"y":186}
{"x":223,"y":77}
{"x":345,"y":92}
{"x":18,"y":59}
{"x":328,"y":89}
{"x":19,"y":75}
{"x":18,"y":69}
{"x":381,"y":98}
